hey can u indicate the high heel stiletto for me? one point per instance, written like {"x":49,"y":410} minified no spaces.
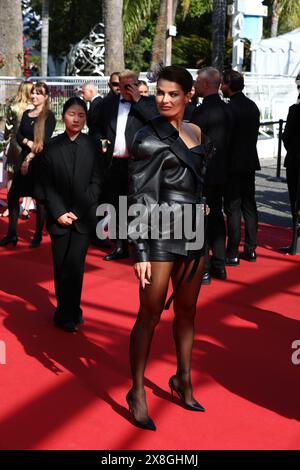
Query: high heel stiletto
{"x":144,"y":424}
{"x":9,"y":239}
{"x":189,"y":406}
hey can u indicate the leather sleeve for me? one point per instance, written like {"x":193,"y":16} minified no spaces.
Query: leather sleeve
{"x":145,"y":176}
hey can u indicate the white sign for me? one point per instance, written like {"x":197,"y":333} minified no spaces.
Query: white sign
{"x":252,"y":7}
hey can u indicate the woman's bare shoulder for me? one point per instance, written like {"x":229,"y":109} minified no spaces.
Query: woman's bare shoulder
{"x":196,"y":130}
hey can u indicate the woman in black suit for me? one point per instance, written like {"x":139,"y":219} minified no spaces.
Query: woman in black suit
{"x":167,"y":165}
{"x":72,"y":181}
{"x":36,"y":128}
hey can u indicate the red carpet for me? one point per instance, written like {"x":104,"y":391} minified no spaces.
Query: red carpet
{"x":64,"y":391}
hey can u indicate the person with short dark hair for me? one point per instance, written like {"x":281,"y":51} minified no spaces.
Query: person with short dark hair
{"x":191,"y":105}
{"x":114,"y":84}
{"x":243,"y":163}
{"x":291,"y":140}
{"x":167,"y":164}
{"x":214,"y":118}
{"x":72,"y":179}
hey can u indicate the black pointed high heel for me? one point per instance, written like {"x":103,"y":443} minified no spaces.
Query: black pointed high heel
{"x":144,"y":424}
{"x":193,"y":407}
{"x":9,"y":239}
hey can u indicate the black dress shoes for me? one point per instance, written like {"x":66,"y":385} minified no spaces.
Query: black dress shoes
{"x":249,"y":255}
{"x":232,"y":261}
{"x":9,"y":239}
{"x":218,"y":273}
{"x":35,"y":242}
{"x":117,"y":254}
{"x":69,"y":326}
{"x":206,"y":279}
{"x":286,"y":249}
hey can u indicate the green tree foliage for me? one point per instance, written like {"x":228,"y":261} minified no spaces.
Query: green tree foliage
{"x":190,"y":47}
{"x":136,"y":13}
{"x":138,"y":56}
{"x":192,"y":51}
{"x":283,"y":16}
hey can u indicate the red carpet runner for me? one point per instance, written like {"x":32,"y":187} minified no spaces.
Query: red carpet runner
{"x":67,"y":391}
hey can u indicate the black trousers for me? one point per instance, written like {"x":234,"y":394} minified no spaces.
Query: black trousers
{"x":292,"y":177}
{"x":118,"y":186}
{"x":69,"y":252}
{"x":240,"y":200}
{"x":216,"y":229}
{"x":16,"y":191}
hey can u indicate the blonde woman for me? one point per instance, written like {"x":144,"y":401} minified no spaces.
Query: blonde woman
{"x":15,"y":111}
{"x":36,"y":127}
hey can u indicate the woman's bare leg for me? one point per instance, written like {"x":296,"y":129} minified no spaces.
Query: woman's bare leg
{"x":152,"y":300}
{"x":183,"y":326}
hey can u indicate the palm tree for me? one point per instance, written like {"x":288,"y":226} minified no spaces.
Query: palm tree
{"x":159,"y":42}
{"x":45,"y":37}
{"x":218,"y":33}
{"x":114,"y":47}
{"x":280,"y":8}
{"x":11,"y":37}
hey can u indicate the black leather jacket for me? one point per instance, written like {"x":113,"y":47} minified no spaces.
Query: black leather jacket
{"x":163,"y":169}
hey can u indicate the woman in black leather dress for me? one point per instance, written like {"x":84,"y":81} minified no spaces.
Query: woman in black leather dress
{"x":167,"y":165}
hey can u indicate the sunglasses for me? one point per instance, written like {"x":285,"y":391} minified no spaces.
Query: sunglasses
{"x":115,"y":83}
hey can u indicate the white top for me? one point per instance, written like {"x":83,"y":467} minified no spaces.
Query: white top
{"x":120,"y":149}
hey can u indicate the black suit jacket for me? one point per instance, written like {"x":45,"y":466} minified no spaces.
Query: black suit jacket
{"x":291,"y":137}
{"x":92,"y":113}
{"x":243,"y":155}
{"x":214,"y":119}
{"x":106,"y":121}
{"x":66,"y":191}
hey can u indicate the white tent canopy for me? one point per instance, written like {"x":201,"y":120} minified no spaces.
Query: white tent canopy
{"x":277,"y":56}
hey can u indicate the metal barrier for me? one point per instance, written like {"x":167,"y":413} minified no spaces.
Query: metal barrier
{"x":272,"y":94}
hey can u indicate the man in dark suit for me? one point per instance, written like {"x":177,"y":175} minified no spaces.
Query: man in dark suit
{"x":291,"y":140}
{"x":214,"y":119}
{"x":90,"y":95}
{"x":240,"y":188}
{"x":119,"y":118}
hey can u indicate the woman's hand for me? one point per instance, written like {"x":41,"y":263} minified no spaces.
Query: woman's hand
{"x":72,"y":216}
{"x":65,"y":220}
{"x":104,"y":145}
{"x":24,"y":168}
{"x":143,"y":272}
{"x":29,"y":144}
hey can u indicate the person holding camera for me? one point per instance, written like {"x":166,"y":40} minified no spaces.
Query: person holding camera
{"x":119,"y":118}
